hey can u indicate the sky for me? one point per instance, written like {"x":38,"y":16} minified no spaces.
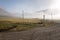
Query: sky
{"x":30,"y":7}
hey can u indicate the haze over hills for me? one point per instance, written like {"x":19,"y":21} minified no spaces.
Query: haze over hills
{"x":55,"y":13}
{"x":4,"y":13}
{"x":47,"y":12}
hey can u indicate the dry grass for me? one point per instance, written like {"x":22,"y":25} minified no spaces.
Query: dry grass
{"x":20,"y":20}
{"x":22,"y":24}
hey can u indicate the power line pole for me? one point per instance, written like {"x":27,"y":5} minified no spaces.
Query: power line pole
{"x":43,"y":17}
{"x":44,"y":20}
{"x":51,"y":15}
{"x":23,"y":14}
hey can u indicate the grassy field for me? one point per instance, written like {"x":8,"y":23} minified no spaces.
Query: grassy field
{"x":20,"y":20}
{"x":19,"y":24}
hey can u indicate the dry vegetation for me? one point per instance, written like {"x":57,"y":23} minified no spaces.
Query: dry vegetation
{"x":16,"y":24}
{"x":19,"y":20}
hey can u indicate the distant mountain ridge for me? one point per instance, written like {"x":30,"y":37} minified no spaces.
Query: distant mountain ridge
{"x":4,"y":13}
{"x":47,"y":12}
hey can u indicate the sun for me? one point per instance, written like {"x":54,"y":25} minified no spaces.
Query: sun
{"x":55,"y":4}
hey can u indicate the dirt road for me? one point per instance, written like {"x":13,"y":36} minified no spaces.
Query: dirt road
{"x":42,"y":33}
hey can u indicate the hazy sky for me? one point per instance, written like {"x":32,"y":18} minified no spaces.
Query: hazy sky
{"x":29,"y":6}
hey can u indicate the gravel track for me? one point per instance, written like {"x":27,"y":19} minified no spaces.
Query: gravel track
{"x":42,"y":33}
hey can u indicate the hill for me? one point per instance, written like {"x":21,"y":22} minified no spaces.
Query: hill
{"x":4,"y":13}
